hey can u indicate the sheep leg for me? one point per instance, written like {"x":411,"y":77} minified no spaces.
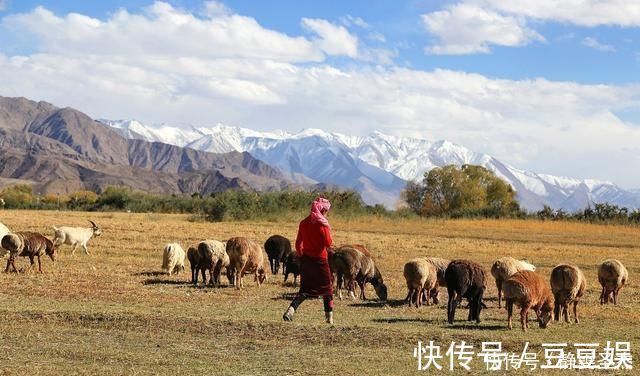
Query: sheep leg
{"x":615,"y":296}
{"x":556,"y":310}
{"x":434,"y":295}
{"x":203,"y":271}
{"x":565,"y":311}
{"x":451,"y":306}
{"x":418,"y":297}
{"x":361,"y":285}
{"x":524,"y":317}
{"x":39,"y":265}
{"x":428,"y":293}
{"x":509,"y":305}
{"x":603,"y":296}
{"x":352,"y":288}
{"x":339,"y":286}
{"x":478,"y":306}
{"x":194,"y":275}
{"x":6,"y":270}
{"x":575,"y":311}
{"x":499,"y":286}
{"x":13,"y":263}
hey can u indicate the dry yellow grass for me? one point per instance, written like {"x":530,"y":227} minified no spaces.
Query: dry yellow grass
{"x":113,"y":313}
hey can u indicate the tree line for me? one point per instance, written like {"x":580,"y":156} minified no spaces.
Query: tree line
{"x":465,"y":191}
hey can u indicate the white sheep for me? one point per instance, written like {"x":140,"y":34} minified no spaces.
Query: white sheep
{"x":421,"y":276}
{"x":75,"y":236}
{"x":212,"y":256}
{"x":612,"y":275}
{"x":3,"y":231}
{"x":505,"y":267}
{"x":173,"y":258}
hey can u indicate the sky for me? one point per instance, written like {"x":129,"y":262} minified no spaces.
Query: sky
{"x":545,"y":85}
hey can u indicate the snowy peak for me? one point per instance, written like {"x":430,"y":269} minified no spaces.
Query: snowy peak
{"x":376,"y":165}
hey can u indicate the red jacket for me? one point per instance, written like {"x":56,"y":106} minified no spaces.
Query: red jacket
{"x":313,"y":239}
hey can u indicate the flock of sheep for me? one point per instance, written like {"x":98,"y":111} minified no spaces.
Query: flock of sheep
{"x":353,"y":265}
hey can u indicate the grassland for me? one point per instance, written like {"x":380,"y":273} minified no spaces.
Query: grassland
{"x":114,"y":313}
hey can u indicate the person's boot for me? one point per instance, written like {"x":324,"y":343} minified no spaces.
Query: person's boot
{"x":329,"y":317}
{"x":288,"y":316}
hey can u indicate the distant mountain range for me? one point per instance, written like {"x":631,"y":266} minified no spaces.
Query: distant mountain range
{"x":63,"y":150}
{"x":378,"y":165}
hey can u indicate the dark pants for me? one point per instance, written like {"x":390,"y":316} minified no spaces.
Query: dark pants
{"x":301,"y":297}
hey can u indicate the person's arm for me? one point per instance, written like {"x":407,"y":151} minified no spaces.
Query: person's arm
{"x":299,"y":240}
{"x":328,"y":240}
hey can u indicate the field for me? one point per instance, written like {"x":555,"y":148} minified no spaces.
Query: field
{"x":114,"y":313}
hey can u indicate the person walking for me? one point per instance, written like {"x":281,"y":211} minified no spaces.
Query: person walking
{"x":312,"y":244}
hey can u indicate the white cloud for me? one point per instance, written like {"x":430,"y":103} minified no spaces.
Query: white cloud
{"x":216,"y":8}
{"x":377,"y":37}
{"x":166,"y":65}
{"x":350,"y":20}
{"x":593,"y":43}
{"x":333,"y":39}
{"x":465,"y":29}
{"x":577,"y":12}
{"x":4,"y":4}
{"x":162,"y":30}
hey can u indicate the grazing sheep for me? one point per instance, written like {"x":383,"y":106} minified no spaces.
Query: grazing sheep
{"x":441,"y":267}
{"x":612,"y":275}
{"x":568,"y":285}
{"x":194,"y":259}
{"x":173,"y":258}
{"x":421,"y":276}
{"x":465,"y":279}
{"x":246,"y":257}
{"x":278,"y":249}
{"x":224,"y":263}
{"x":211,"y":253}
{"x":292,"y":266}
{"x":529,"y":291}
{"x":75,"y":236}
{"x":353,"y":266}
{"x":3,"y":231}
{"x":505,"y":267}
{"x":27,"y":244}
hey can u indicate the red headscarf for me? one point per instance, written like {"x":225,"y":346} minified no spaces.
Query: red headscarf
{"x":317,"y":206}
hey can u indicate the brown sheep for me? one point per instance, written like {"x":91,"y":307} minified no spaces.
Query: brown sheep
{"x":420,"y":276}
{"x":568,"y":285}
{"x":612,"y":275}
{"x":27,"y":244}
{"x":529,"y":291}
{"x":246,"y":257}
{"x":505,"y":267}
{"x":353,"y":266}
{"x":465,"y":279}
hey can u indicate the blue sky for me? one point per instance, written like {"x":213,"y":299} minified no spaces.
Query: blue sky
{"x":543,"y":85}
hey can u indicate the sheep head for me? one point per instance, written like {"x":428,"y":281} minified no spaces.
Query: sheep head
{"x":97,"y":231}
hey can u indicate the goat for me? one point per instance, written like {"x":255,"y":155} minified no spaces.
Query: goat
{"x":75,"y":236}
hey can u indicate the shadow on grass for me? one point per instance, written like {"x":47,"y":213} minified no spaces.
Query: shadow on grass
{"x":286,"y":296}
{"x":149,"y":274}
{"x":401,"y":320}
{"x":467,"y":326}
{"x":379,"y":303}
{"x":159,"y":281}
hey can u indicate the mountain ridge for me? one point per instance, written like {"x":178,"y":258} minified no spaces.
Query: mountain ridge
{"x":378,"y":165}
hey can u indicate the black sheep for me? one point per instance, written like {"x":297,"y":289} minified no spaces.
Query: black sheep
{"x":465,"y":279}
{"x":278,"y":249}
{"x":292,"y":266}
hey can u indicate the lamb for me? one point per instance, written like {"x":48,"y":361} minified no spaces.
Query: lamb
{"x":278,"y":249}
{"x":529,"y":291}
{"x":292,"y":266}
{"x":354,"y":267}
{"x":505,"y":267}
{"x":421,"y":276}
{"x":27,"y":244}
{"x":465,"y":279}
{"x":173,"y":258}
{"x":568,"y":285}
{"x":612,"y":275}
{"x":246,"y":257}
{"x":75,"y":236}
{"x":211,"y":254}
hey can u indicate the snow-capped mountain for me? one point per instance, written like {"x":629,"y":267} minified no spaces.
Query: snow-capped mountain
{"x":377,"y":165}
